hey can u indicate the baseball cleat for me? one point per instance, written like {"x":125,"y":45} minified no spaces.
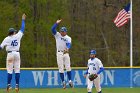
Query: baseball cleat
{"x":64,"y":85}
{"x":8,"y":88}
{"x":17,"y":88}
{"x":71,"y":84}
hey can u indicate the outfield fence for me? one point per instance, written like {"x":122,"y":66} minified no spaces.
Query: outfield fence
{"x":49,"y":77}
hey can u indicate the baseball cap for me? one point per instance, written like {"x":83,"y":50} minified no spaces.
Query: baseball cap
{"x":93,"y":52}
{"x":12,"y":30}
{"x":63,"y":29}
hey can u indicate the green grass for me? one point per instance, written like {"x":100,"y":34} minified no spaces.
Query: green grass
{"x":76,"y":90}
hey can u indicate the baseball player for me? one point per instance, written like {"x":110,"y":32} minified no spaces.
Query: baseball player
{"x":95,"y":67}
{"x":63,"y":44}
{"x":12,"y":45}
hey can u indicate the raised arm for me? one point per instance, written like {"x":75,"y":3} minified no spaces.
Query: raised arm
{"x":23,"y":23}
{"x":54,"y":31}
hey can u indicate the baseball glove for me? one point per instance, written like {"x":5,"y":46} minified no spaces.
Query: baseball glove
{"x":92,"y":77}
{"x":66,"y":51}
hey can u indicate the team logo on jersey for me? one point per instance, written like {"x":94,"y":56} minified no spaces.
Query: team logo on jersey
{"x":91,"y":64}
{"x":63,"y":39}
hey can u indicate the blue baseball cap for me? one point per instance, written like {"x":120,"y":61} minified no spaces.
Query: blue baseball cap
{"x":12,"y":30}
{"x":63,"y":29}
{"x":93,"y":52}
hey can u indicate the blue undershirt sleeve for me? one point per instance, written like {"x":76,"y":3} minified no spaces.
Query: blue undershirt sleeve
{"x":86,"y":72}
{"x":54,"y":31}
{"x":101,"y":70}
{"x":22,"y":26}
{"x":68,"y":45}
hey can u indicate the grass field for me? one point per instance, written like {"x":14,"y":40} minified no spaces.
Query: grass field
{"x":76,"y":90}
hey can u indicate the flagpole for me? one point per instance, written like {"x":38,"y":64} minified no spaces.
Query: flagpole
{"x":131,"y":38}
{"x":131,"y":47}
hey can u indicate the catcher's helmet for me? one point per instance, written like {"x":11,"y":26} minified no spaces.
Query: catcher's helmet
{"x":93,"y":52}
{"x":12,"y":30}
{"x":63,"y":29}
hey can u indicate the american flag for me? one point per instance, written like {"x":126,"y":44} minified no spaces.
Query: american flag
{"x":123,"y":16}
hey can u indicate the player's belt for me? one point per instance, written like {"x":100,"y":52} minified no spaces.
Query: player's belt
{"x":11,"y":51}
{"x":64,"y":52}
{"x":60,"y":51}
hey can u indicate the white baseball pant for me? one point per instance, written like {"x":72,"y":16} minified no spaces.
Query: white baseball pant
{"x":96,"y":82}
{"x":63,"y":61}
{"x":13,"y":62}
